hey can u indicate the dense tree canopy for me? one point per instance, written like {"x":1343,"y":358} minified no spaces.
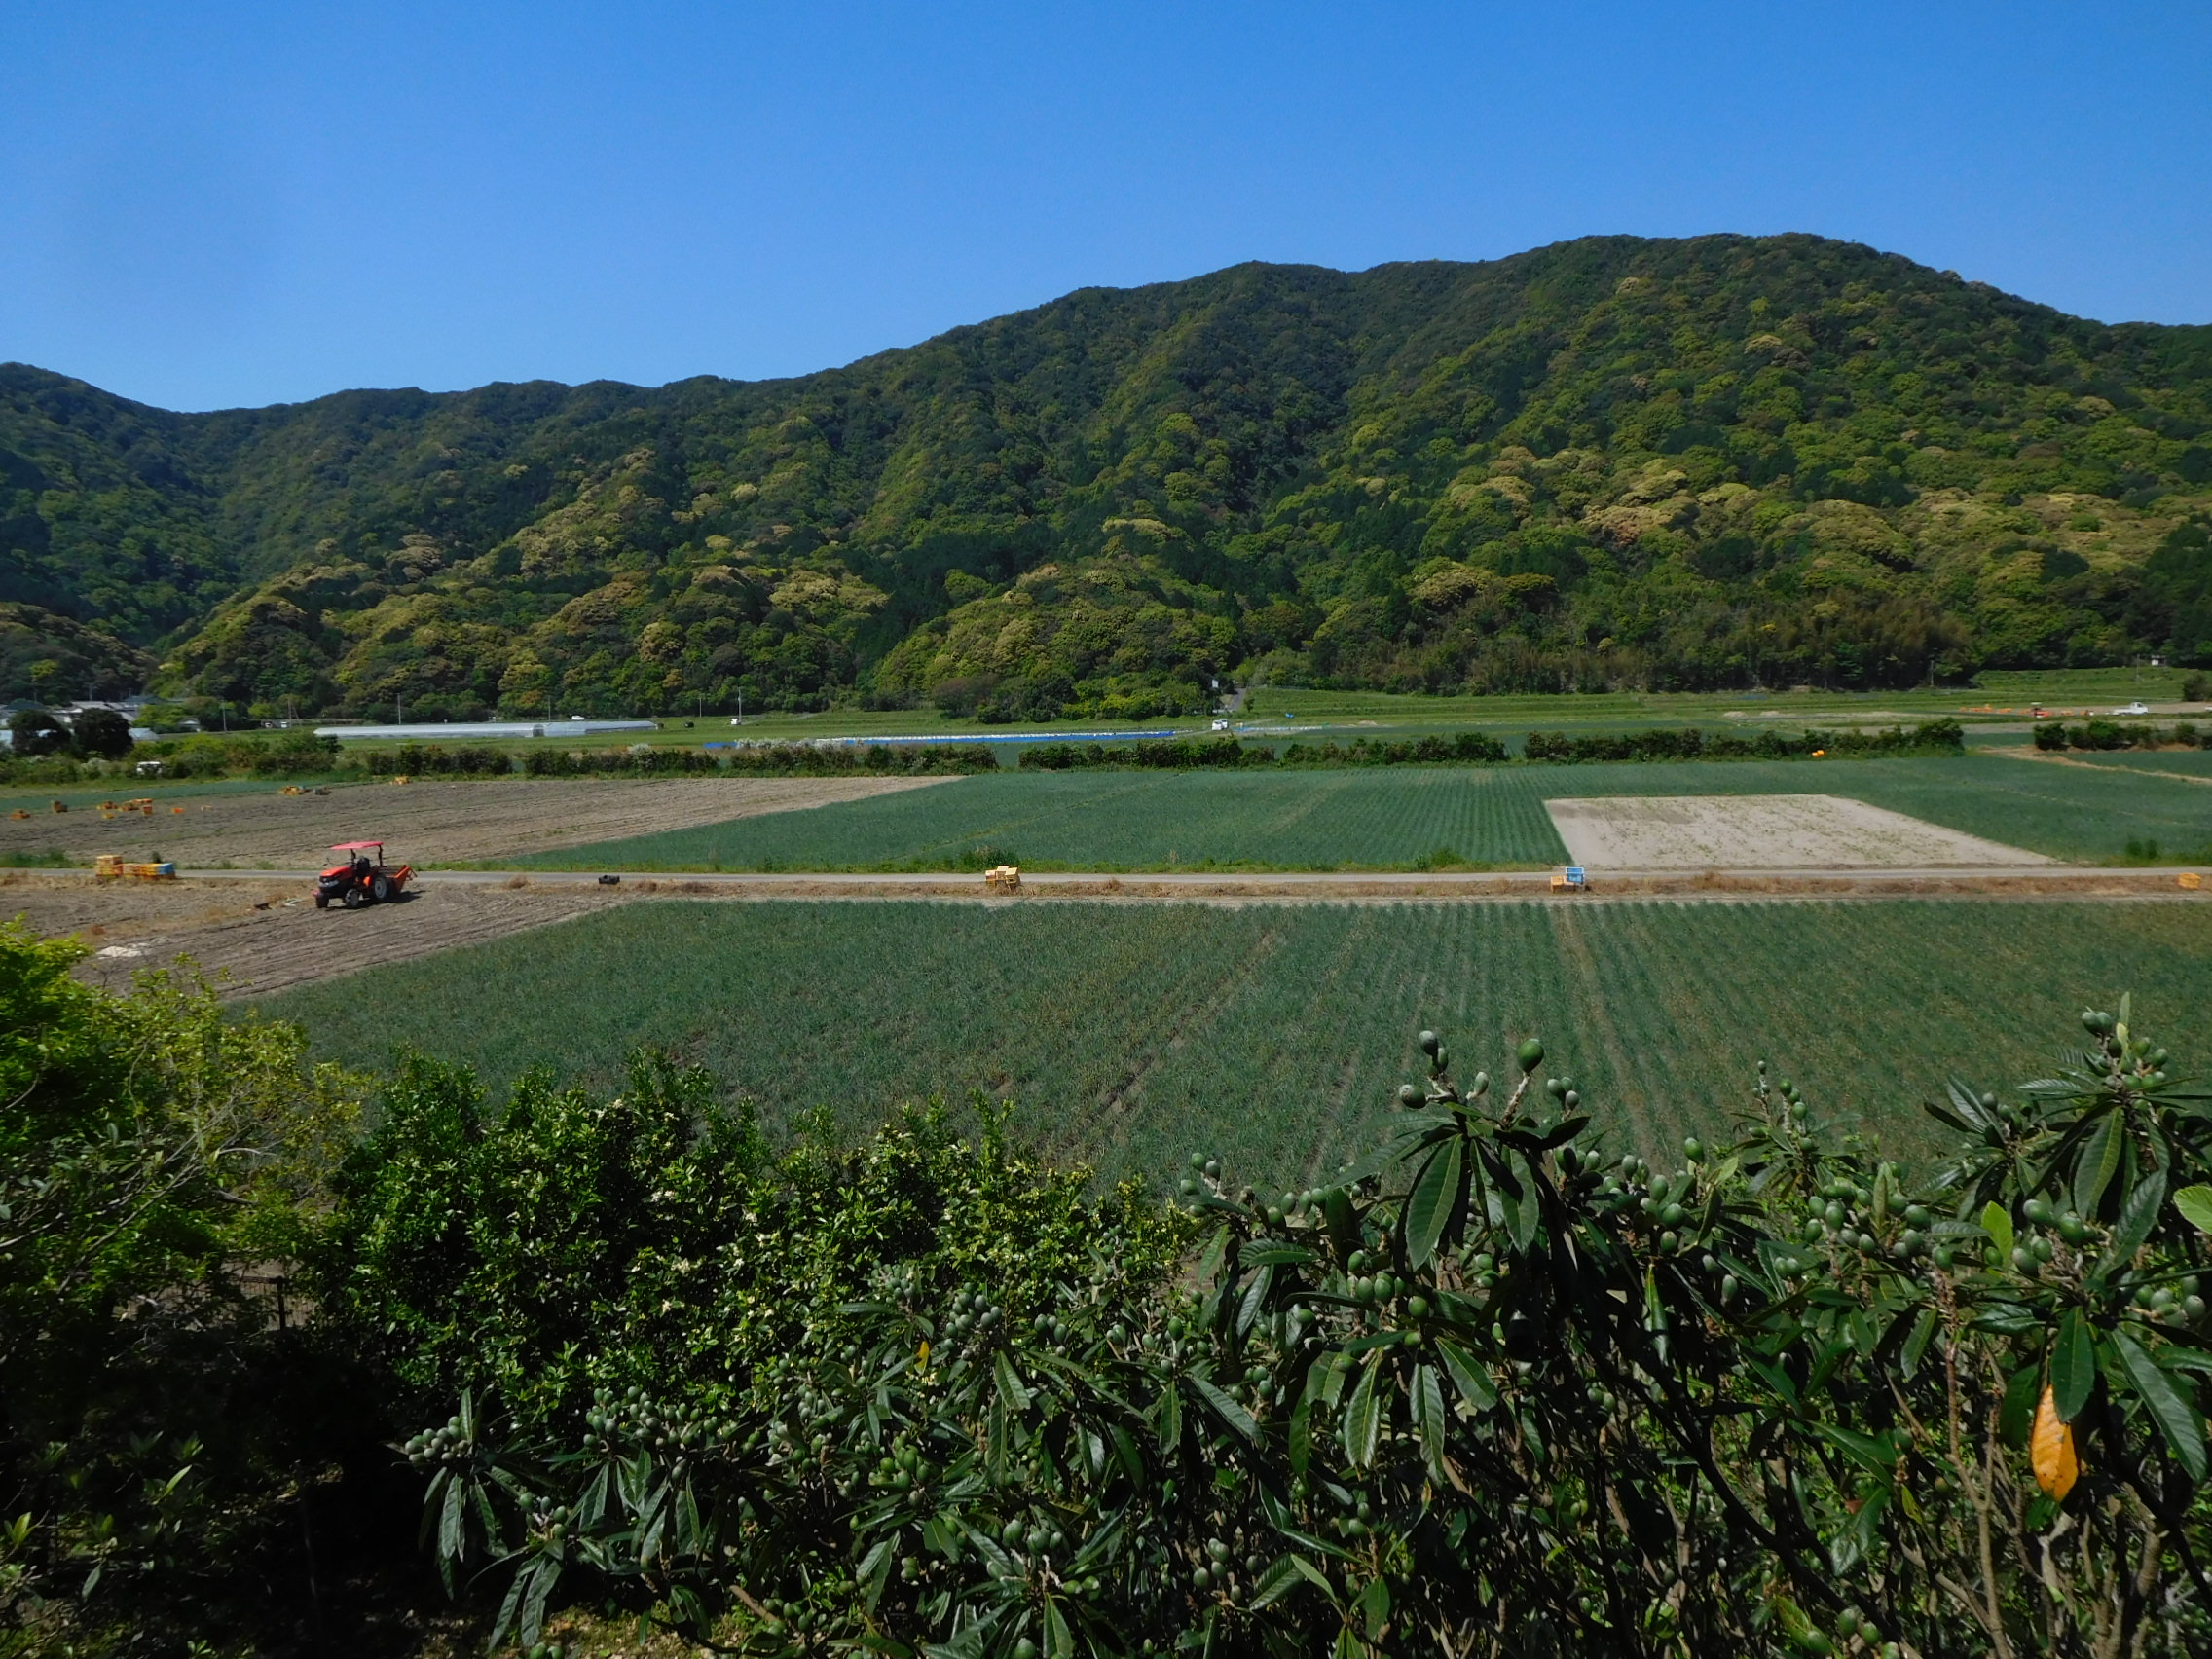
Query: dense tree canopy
{"x":1614,"y":462}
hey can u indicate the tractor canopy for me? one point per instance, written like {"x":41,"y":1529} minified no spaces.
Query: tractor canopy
{"x":357,"y":846}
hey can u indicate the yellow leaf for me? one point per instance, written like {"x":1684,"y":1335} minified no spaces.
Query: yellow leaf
{"x":2050,"y":1448}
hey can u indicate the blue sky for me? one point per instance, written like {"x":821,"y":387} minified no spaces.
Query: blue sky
{"x":210,"y":204}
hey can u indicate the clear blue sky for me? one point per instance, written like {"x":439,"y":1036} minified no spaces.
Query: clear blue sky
{"x":207,"y":205}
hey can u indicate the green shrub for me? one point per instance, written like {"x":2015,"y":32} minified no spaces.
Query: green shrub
{"x":435,"y":759}
{"x":151,"y":1150}
{"x":764,"y":759}
{"x":212,"y":754}
{"x":1931,"y":737}
{"x":1501,"y":1389}
{"x":1186,"y":753}
{"x":2114,"y":734}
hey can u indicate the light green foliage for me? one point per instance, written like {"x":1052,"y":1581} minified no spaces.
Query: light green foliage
{"x":1120,"y":1031}
{"x":1686,"y":463}
{"x":503,"y":1251}
{"x":1493,"y":1391}
{"x":1381,"y":819}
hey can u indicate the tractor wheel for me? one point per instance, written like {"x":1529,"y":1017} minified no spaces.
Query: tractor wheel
{"x":322,"y":901}
{"x":356,"y":898}
{"x":381,"y":889}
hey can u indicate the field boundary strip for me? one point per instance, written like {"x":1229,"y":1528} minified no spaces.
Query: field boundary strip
{"x":1997,"y":881}
{"x":2043,"y":758}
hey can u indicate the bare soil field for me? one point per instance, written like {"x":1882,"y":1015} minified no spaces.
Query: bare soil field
{"x":252,"y":938}
{"x":1777,"y":831}
{"x":425,"y":822}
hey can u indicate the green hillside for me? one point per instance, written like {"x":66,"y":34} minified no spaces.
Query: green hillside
{"x":1611,"y":463}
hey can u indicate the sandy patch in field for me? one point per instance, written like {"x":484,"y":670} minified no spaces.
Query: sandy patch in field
{"x":425,"y":823}
{"x":1764,"y":832}
{"x":252,"y":938}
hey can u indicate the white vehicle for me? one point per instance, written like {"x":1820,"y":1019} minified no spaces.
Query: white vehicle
{"x":1221,"y":726}
{"x":2137,"y":707}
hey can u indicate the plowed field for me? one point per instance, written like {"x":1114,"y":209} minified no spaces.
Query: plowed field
{"x":253,"y":937}
{"x":423,"y":822}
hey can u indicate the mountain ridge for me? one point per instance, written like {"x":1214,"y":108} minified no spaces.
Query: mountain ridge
{"x":1612,"y":460}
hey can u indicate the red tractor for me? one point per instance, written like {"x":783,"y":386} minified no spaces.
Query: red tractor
{"x":362,"y":879}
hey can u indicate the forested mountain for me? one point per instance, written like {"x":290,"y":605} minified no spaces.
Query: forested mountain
{"x":1718,"y":462}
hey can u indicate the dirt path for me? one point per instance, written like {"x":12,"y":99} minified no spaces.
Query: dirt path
{"x":430,"y":822}
{"x":2045,"y":757}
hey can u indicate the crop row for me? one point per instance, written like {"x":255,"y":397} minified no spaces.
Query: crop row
{"x":1274,"y":1034}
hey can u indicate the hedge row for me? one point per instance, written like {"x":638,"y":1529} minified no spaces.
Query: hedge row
{"x":2110,"y":735}
{"x":1466,"y":748}
{"x":767,"y":759}
{"x":1179,"y":753}
{"x":1933,"y":737}
{"x":295,"y":755}
{"x":1478,"y":748}
{"x":434,"y":760}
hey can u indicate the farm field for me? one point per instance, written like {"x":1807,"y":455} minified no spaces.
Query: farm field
{"x":252,"y":937}
{"x":256,"y":827}
{"x":1385,"y":818}
{"x":1130,"y":1034}
{"x":1777,"y":831}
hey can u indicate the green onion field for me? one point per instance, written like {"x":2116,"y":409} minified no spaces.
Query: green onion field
{"x":1273,"y":1034}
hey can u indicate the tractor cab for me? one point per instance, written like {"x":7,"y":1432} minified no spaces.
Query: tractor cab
{"x":360,"y":877}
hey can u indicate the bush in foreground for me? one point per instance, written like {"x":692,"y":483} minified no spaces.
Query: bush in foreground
{"x":157,"y":1160}
{"x":1495,"y":1390}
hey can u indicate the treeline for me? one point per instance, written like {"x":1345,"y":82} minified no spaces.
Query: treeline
{"x":641,"y":761}
{"x":1479,"y":749}
{"x":2117,"y":734}
{"x":291,"y":754}
{"x":1506,"y":1387}
{"x":1932,"y":737}
{"x":1465,"y":749}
